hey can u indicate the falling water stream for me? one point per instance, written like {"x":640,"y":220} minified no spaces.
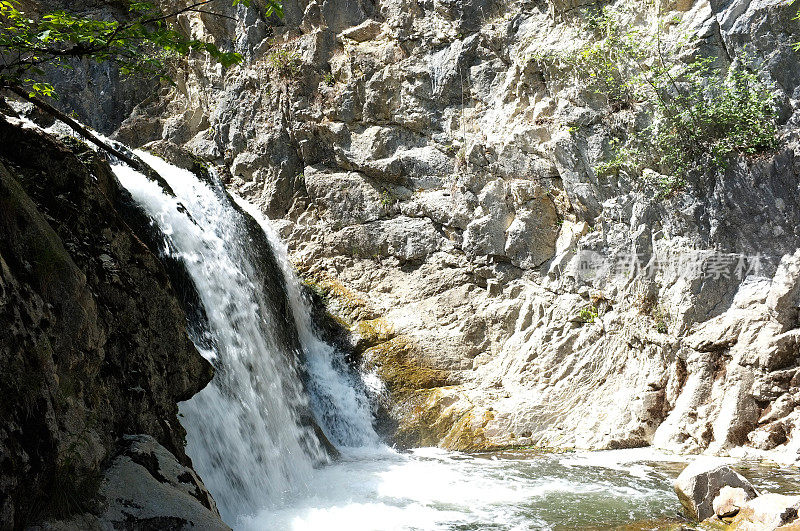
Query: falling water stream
{"x":255,"y":434}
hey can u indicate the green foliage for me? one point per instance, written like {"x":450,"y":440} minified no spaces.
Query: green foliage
{"x":328,"y":79}
{"x":713,"y":116}
{"x":796,"y":45}
{"x":604,"y":63}
{"x":285,"y":62}
{"x":140,"y":45}
{"x":662,"y":319}
{"x":588,"y":314}
{"x":702,"y":119}
{"x":622,"y":158}
{"x":387,"y":199}
{"x":662,"y":327}
{"x":701,"y":115}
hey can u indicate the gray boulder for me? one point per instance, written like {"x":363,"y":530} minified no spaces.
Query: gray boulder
{"x":145,"y":487}
{"x":701,"y":482}
{"x":146,"y":484}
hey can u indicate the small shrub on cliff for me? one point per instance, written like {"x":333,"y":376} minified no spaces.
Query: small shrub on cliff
{"x":388,"y":199}
{"x":286,"y":63}
{"x":588,"y":315}
{"x":702,"y":115}
{"x":713,"y":116}
{"x":622,"y":157}
{"x":701,"y":121}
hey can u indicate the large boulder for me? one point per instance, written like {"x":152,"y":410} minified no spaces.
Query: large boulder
{"x":702,"y":481}
{"x":145,"y":487}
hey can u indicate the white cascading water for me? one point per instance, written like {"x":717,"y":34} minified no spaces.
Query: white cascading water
{"x":344,"y":412}
{"x":244,"y":433}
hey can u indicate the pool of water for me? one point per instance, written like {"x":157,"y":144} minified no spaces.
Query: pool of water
{"x":432,"y":489}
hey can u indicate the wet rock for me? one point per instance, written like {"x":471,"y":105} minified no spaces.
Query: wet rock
{"x":147,"y":485}
{"x":94,"y":341}
{"x":702,"y":481}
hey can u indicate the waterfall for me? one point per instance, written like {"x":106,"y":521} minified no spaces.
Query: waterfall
{"x":336,"y":394}
{"x":250,"y":433}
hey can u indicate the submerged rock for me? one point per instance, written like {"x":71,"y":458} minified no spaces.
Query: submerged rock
{"x":701,"y":482}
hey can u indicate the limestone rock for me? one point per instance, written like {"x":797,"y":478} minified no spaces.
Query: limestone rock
{"x":766,"y":512}
{"x":702,"y":481}
{"x":531,"y":237}
{"x":729,"y":501}
{"x":407,"y":239}
{"x":349,"y":198}
{"x":367,"y":30}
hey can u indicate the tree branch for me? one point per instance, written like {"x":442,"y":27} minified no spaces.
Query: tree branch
{"x":131,"y":160}
{"x":178,"y":12}
{"x":81,"y":130}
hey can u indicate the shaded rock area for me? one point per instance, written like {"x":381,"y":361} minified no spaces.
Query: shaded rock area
{"x":94,"y":347}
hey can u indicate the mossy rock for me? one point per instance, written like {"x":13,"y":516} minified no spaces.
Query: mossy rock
{"x":418,"y":391}
{"x":402,"y":369}
{"x":434,"y":418}
{"x":372,"y":332}
{"x":343,"y":301}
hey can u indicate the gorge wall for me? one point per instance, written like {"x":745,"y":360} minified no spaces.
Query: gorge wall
{"x":435,"y":180}
{"x":94,"y":351}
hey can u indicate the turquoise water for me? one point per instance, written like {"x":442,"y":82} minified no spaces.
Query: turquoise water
{"x":433,"y":489}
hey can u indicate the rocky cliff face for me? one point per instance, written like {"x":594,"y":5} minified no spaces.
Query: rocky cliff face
{"x":94,"y":348}
{"x":436,"y":180}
